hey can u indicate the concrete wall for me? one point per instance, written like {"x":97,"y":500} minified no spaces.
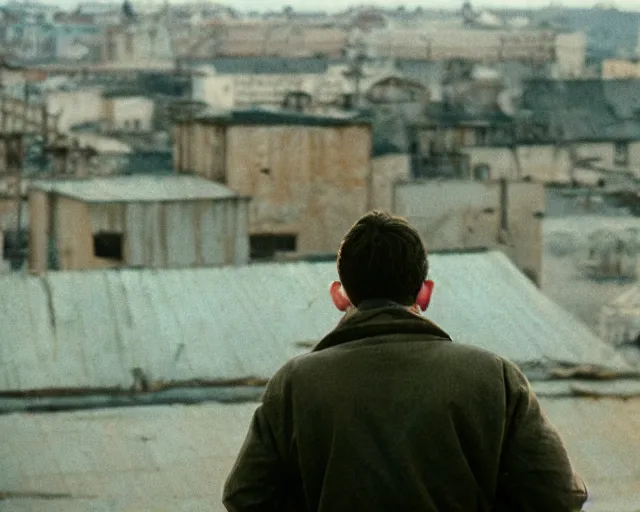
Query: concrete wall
{"x":283,"y":39}
{"x":387,"y":171}
{"x":241,"y":91}
{"x":619,"y":68}
{"x":549,"y":163}
{"x":39,"y":230}
{"x":138,"y":44}
{"x":457,"y":42}
{"x":123,"y":113}
{"x":75,"y":107}
{"x":186,"y":233}
{"x":201,"y":149}
{"x":455,"y":215}
{"x":309,"y":181}
{"x":570,"y":54}
{"x":216,"y":91}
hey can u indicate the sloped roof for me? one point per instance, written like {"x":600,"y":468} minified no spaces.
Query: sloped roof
{"x":136,"y":188}
{"x":90,"y":329}
{"x":586,"y":110}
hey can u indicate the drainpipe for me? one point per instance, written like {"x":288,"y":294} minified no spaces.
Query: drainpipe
{"x":504,"y":205}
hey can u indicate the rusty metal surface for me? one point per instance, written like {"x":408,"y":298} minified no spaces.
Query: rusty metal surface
{"x":177,"y":458}
{"x":91,"y":329}
{"x":137,"y":188}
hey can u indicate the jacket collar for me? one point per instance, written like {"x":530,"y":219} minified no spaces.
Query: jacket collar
{"x":380,"y":318}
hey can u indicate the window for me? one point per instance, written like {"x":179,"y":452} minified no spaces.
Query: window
{"x":266,"y":246}
{"x":108,"y":245}
{"x":481,"y":136}
{"x":127,"y":125}
{"x":481,"y":172}
{"x":621,"y":154}
{"x":136,"y":124}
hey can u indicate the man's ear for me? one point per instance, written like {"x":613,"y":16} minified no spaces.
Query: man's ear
{"x":339,"y":297}
{"x":424,"y":295}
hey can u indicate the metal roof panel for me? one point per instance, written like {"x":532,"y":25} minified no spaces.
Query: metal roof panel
{"x":91,"y":329}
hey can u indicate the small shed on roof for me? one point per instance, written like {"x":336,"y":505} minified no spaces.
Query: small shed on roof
{"x":91,"y":329}
{"x":135,"y":221}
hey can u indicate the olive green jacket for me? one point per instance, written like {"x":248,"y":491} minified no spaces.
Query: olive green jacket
{"x":388,"y":414}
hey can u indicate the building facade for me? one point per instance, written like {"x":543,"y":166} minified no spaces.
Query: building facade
{"x":309,"y":176}
{"x":128,"y":114}
{"x":454,"y":215}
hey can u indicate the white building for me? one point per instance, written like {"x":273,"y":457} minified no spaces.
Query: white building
{"x":124,"y":113}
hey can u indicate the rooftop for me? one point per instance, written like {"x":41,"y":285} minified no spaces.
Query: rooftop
{"x":267,"y":65}
{"x":139,"y":188}
{"x":280,"y":118}
{"x":177,"y":458}
{"x":586,"y":110}
{"x":90,"y":329}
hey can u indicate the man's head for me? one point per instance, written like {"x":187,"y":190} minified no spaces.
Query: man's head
{"x":382,"y":257}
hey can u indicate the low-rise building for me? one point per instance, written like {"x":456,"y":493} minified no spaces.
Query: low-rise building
{"x":566,"y":51}
{"x":620,"y":68}
{"x":252,"y":82}
{"x":560,"y":132}
{"x":142,"y":43}
{"x":265,"y":38}
{"x":309,"y":176}
{"x":141,"y":221}
{"x":126,"y":113}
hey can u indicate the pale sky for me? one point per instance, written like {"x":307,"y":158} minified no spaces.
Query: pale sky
{"x":336,"y":5}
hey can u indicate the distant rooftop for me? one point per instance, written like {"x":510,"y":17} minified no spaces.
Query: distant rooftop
{"x":282,"y":118}
{"x":137,"y":189}
{"x":268,"y":65}
{"x":586,"y":110}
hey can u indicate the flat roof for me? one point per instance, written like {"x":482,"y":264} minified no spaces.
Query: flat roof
{"x":281,"y":118}
{"x":139,"y":188}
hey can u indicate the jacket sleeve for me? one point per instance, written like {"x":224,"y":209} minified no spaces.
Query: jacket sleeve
{"x":535,"y":473}
{"x":258,"y":478}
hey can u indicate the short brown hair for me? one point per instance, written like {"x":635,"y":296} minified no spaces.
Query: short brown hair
{"x":382,"y":257}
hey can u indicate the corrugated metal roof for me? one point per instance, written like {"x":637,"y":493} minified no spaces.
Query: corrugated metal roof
{"x":90,"y":329}
{"x":137,"y":188}
{"x":177,"y":458}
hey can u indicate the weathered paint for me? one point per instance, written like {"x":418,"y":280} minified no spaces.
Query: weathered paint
{"x":39,"y":230}
{"x":548,"y":163}
{"x":309,"y":181}
{"x":90,"y":329}
{"x":467,"y":214}
{"x":387,"y":171}
{"x":312,"y":181}
{"x":208,"y":226}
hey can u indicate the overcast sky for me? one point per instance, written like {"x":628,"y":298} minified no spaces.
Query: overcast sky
{"x":335,"y":5}
{"x":341,"y":4}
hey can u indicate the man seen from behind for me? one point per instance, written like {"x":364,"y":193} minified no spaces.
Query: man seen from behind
{"x":387,"y":413}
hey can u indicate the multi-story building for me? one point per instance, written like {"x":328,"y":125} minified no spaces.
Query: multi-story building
{"x":453,"y":42}
{"x":262,"y":38}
